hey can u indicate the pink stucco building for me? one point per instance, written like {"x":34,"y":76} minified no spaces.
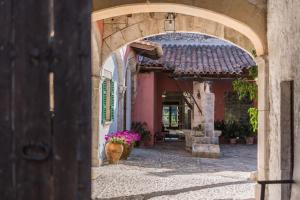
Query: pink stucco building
{"x":164,"y":85}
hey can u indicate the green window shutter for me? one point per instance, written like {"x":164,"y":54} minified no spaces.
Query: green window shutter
{"x":104,"y":92}
{"x":112,"y":97}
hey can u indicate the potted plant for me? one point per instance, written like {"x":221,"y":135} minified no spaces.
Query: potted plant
{"x":233,"y":139}
{"x":141,"y":129}
{"x":232,"y":131}
{"x":130,"y":139}
{"x":220,"y":125}
{"x":113,"y":148}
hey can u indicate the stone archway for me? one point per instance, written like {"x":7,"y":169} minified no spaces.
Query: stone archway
{"x":238,"y":15}
{"x":234,"y":24}
{"x":122,"y":30}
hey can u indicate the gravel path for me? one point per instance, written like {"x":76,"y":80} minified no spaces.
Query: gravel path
{"x":169,"y":172}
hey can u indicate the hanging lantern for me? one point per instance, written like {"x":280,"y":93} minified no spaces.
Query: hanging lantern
{"x":170,"y":22}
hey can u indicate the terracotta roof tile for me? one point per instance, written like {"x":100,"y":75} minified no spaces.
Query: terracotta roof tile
{"x":201,"y":59}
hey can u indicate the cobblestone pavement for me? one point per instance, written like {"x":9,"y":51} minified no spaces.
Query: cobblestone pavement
{"x":169,"y":172}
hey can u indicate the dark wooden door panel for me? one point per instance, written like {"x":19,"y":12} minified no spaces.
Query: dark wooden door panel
{"x":32,"y":136}
{"x":72,"y":122}
{"x":6,"y":179}
{"x":44,"y":157}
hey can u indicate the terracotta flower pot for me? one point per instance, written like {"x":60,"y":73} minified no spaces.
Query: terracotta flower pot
{"x":249,"y":140}
{"x":232,"y":140}
{"x":113,"y":152}
{"x":126,"y":151}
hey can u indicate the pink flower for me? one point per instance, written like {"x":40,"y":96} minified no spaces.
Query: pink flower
{"x":129,"y":137}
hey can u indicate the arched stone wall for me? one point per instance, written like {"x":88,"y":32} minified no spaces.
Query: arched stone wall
{"x":246,"y":16}
{"x":241,"y":22}
{"x":121,"y":30}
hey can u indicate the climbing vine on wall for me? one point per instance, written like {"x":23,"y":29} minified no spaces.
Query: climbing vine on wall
{"x":246,"y":88}
{"x":253,"y":114}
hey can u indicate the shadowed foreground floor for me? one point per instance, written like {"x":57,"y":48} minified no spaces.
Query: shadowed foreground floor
{"x":169,"y":172}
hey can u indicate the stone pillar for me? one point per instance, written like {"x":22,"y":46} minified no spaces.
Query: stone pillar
{"x":121,"y":90}
{"x":263,"y":121}
{"x":206,"y":101}
{"x":96,"y":63}
{"x":128,"y":99}
{"x":208,"y":109}
{"x":206,"y":145}
{"x":121,"y":95}
{"x":130,"y":87}
{"x":197,"y":116}
{"x":95,"y":121}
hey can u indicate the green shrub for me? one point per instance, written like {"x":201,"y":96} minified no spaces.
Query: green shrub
{"x":142,"y":129}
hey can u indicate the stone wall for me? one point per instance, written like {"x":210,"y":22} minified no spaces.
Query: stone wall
{"x":121,"y":30}
{"x":284,"y":59}
{"x":246,"y":16}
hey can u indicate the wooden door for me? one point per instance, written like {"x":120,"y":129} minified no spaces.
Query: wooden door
{"x":44,"y":154}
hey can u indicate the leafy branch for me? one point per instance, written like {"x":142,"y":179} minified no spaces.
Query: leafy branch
{"x":248,"y":90}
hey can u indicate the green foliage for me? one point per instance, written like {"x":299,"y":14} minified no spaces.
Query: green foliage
{"x":248,"y":90}
{"x":253,"y":114}
{"x":220,"y":125}
{"x":254,"y":53}
{"x":253,"y":72}
{"x":232,"y":129}
{"x":141,"y":129}
{"x":245,"y":89}
{"x":116,"y":140}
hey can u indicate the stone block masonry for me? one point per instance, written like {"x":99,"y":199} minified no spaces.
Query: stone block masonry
{"x":206,"y":146}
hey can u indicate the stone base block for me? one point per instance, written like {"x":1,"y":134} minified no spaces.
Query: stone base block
{"x":205,"y":140}
{"x":202,"y":140}
{"x":206,"y":150}
{"x":188,"y":149}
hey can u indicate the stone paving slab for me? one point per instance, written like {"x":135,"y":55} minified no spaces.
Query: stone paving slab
{"x":169,"y":172}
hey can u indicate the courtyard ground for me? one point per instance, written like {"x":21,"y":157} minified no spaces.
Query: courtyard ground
{"x":169,"y":172}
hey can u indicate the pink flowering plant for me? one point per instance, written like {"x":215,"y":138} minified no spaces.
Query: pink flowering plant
{"x":123,"y":137}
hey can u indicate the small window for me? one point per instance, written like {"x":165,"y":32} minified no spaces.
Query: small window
{"x":170,"y":116}
{"x":107,"y":101}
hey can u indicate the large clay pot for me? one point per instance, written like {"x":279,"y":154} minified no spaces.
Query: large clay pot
{"x":113,"y":152}
{"x":126,"y":151}
{"x":249,"y":140}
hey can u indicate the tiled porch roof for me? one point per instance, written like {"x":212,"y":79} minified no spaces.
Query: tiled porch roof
{"x":191,"y":60}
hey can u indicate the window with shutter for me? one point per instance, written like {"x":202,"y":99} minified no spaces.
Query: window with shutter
{"x":104,"y":92}
{"x":112,"y":97}
{"x":107,"y":100}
